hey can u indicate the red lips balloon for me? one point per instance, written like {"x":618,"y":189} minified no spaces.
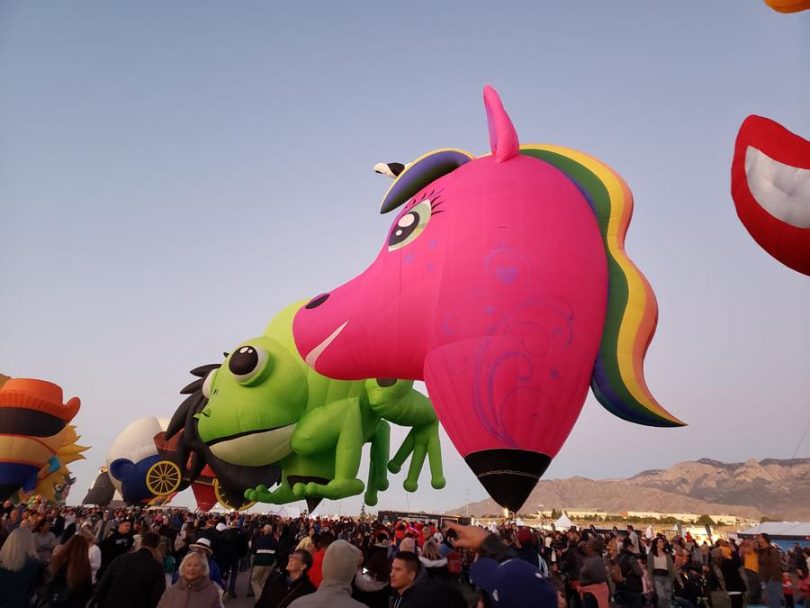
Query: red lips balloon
{"x":770,"y":184}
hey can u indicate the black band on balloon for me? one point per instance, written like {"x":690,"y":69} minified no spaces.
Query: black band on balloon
{"x":508,"y":476}
{"x":25,"y":421}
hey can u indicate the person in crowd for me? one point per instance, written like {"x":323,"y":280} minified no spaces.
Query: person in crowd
{"x":435,"y":565}
{"x":770,"y":570}
{"x":505,"y":582}
{"x":19,"y":568}
{"x":628,"y":577}
{"x":335,"y":591}
{"x":281,"y":590}
{"x":748,"y":554}
{"x":593,"y":586}
{"x":264,"y":548}
{"x":526,"y":546}
{"x":802,"y":589}
{"x":371,"y":584}
{"x":44,"y":539}
{"x":117,"y":543}
{"x":726,"y":567}
{"x":661,"y":571}
{"x":233,"y":545}
{"x":634,"y":538}
{"x":71,"y":583}
{"x":307,"y":544}
{"x":93,"y":552}
{"x":404,"y":573}
{"x":193,"y":588}
{"x":322,"y":542}
{"x":12,"y":522}
{"x":203,"y":547}
{"x":134,"y":579}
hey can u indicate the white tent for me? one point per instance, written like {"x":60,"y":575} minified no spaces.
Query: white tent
{"x":563,"y":523}
{"x":791,"y":529}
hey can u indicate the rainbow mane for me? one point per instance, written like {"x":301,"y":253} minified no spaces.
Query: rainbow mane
{"x":632,"y":312}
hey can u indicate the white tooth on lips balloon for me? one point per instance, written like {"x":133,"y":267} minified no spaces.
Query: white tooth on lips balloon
{"x":782,"y":190}
{"x":313,"y":355}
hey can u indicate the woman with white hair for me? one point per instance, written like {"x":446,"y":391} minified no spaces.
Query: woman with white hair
{"x":19,"y":567}
{"x":193,"y":589}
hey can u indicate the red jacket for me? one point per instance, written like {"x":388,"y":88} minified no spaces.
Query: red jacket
{"x":316,"y":572}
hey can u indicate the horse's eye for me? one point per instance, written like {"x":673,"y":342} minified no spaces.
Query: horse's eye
{"x":248,"y":362}
{"x":409,"y":226}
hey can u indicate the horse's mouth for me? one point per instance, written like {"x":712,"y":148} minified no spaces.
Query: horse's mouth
{"x":316,"y":352}
{"x":254,"y":448}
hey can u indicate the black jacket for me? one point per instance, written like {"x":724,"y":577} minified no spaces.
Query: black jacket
{"x":278,"y":594}
{"x":133,"y":580}
{"x":233,"y":545}
{"x":431,"y":594}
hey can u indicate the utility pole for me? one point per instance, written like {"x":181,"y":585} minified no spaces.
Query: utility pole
{"x":467,"y":500}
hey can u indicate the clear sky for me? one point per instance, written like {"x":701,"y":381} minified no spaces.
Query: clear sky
{"x":173,"y":174}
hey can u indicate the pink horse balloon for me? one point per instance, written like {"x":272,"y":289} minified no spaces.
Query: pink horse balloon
{"x":504,"y":285}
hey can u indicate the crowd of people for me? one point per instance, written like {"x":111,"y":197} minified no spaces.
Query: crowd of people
{"x":167,"y":558}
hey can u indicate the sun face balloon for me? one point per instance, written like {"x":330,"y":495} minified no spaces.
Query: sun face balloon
{"x":36,"y":440}
{"x":770,"y":184}
{"x":788,"y":6}
{"x":503,"y":283}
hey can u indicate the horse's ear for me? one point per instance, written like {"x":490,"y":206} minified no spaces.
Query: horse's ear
{"x":421,"y":172}
{"x":390,"y":169}
{"x":503,"y":139}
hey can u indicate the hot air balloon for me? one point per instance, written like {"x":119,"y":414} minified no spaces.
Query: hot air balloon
{"x":55,"y":485}
{"x":504,"y":285}
{"x":33,"y":429}
{"x":132,"y":455}
{"x":788,"y":6}
{"x":142,"y":466}
{"x":770,"y":185}
{"x":266,"y":407}
{"x":101,"y":491}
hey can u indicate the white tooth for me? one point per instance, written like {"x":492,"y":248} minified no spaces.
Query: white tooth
{"x":782,"y":190}
{"x":313,"y":355}
{"x":209,"y":380}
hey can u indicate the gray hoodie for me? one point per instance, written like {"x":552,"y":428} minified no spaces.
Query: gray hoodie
{"x":339,"y":566}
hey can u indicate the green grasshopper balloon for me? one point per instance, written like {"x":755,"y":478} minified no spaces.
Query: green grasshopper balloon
{"x":266,"y":405}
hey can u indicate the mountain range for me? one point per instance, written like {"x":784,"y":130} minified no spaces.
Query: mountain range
{"x":776,"y":489}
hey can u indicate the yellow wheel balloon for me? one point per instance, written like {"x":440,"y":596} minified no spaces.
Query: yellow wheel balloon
{"x":163,"y":478}
{"x":223,"y":499}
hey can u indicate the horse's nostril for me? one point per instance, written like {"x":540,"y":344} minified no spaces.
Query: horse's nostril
{"x":317,"y":301}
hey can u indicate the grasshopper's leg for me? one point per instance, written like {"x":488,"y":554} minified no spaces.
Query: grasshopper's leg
{"x":378,"y":455}
{"x":318,"y":433}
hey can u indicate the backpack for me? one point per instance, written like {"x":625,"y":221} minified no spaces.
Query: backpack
{"x":454,"y":562}
{"x":616,"y":574}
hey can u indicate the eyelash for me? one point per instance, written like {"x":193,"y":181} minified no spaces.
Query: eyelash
{"x":434,"y":203}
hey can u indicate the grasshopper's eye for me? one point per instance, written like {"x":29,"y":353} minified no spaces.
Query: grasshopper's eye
{"x":248,"y":362}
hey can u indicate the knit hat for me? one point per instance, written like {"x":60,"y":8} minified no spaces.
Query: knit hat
{"x":408,"y":544}
{"x":340,"y":562}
